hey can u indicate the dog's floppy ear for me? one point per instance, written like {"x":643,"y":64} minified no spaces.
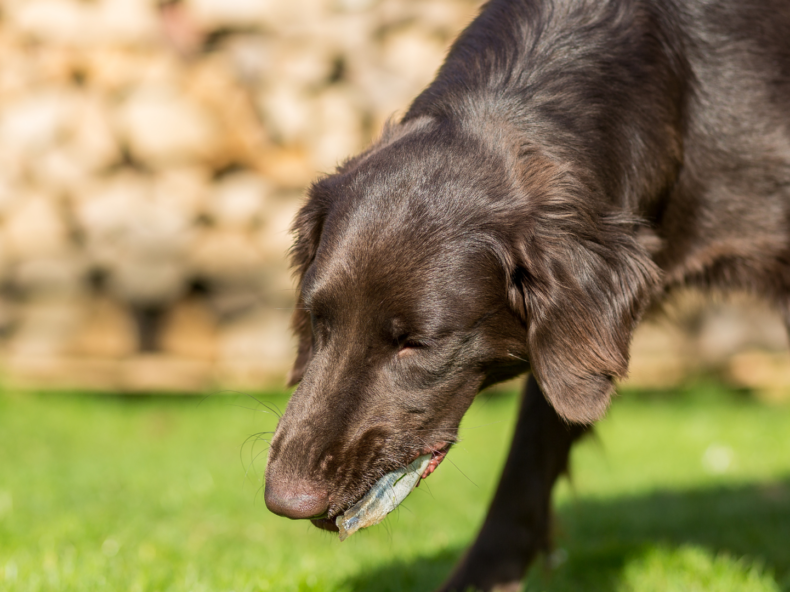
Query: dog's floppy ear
{"x":307,"y":229}
{"x":581,"y":281}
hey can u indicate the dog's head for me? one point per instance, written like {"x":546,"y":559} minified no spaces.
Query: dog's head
{"x":440,"y":261}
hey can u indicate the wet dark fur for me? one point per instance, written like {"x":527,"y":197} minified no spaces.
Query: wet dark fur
{"x":573,"y":163}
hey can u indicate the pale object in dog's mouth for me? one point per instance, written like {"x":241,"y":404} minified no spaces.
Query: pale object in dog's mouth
{"x":383,"y":497}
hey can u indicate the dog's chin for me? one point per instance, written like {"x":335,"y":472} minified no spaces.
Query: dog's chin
{"x":325,"y":524}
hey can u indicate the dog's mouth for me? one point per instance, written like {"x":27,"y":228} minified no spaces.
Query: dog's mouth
{"x":438,"y":452}
{"x":437,"y":456}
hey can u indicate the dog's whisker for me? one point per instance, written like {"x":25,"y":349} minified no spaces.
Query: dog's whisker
{"x":272,"y":408}
{"x":277,"y":413}
{"x":482,"y":425}
{"x":251,"y":466}
{"x":464,"y":474}
{"x":253,"y":409}
{"x":254,"y":439}
{"x":424,"y":485}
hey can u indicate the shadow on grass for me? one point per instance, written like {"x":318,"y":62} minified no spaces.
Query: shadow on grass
{"x":598,"y":538}
{"x":423,"y":573}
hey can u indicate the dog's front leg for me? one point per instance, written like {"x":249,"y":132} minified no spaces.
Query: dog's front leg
{"x":517,"y":525}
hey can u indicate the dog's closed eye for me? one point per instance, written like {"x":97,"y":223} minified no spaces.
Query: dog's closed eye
{"x":408,"y":345}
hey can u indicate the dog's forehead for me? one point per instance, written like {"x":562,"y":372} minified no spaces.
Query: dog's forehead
{"x":406,"y":226}
{"x":362,"y":269}
{"x":431,"y":286}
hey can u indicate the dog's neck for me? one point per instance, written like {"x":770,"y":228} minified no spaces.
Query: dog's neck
{"x":573,"y":87}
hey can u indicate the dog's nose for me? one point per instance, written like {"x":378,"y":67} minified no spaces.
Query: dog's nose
{"x":296,"y":502}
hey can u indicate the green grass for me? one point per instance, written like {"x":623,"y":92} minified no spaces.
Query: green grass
{"x":686,"y":493}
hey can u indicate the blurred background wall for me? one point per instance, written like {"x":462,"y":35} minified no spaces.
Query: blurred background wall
{"x":153,"y":154}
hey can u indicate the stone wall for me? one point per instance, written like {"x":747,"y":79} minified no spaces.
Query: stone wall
{"x":152,"y":156}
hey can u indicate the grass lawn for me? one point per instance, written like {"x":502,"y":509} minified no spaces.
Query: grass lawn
{"x":688,"y":493}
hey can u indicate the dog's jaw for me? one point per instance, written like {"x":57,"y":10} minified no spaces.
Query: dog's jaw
{"x":438,"y":453}
{"x":325,"y":524}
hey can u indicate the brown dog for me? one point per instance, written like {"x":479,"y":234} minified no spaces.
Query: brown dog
{"x":573,"y":162}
